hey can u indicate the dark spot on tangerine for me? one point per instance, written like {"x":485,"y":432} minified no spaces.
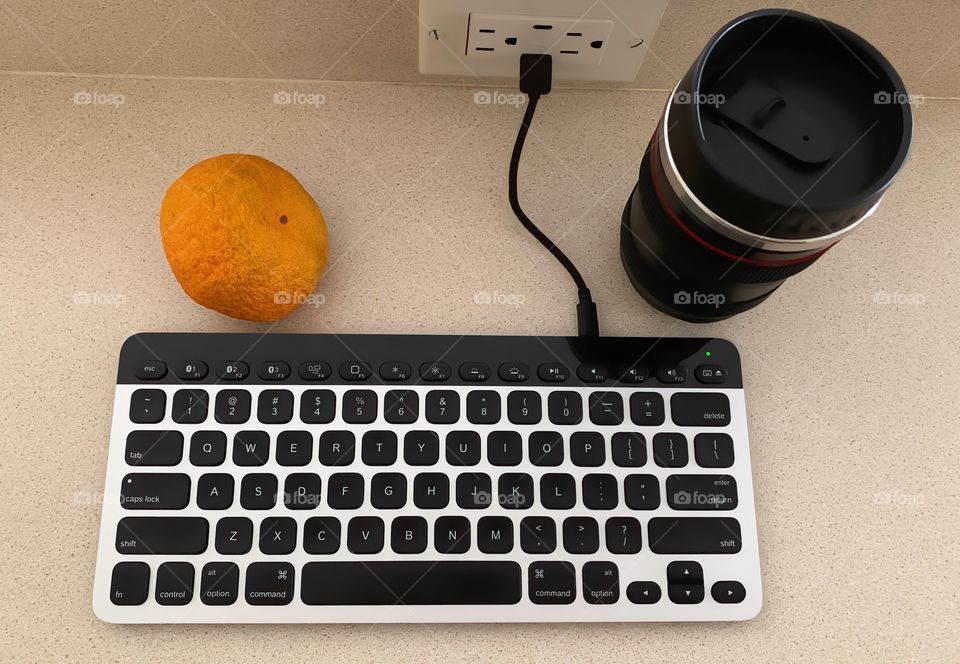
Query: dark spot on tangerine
{"x":283,"y":218}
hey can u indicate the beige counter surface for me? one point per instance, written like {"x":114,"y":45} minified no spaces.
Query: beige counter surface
{"x":851,"y":368}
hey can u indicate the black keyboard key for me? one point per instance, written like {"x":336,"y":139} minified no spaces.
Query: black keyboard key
{"x":587,"y":449}
{"x":395,"y":371}
{"x":524,"y":407}
{"x":558,"y":491}
{"x":130,"y":583}
{"x":269,"y":584}
{"x":318,"y":406}
{"x":538,"y":534}
{"x":600,"y":491}
{"x":646,"y":409}
{"x":151,"y":370}
{"x":189,"y":406}
{"x":388,"y":491}
{"x":463,"y":448}
{"x":154,"y":448}
{"x":345,"y":491}
{"x":581,"y":534}
{"x":644,"y":592}
{"x":593,"y":372}
{"x":147,"y":406}
{"x":601,"y":582}
{"x":483,"y":407}
{"x":431,"y":491}
{"x":728,"y":592}
{"x":294,"y":448}
{"x":553,"y":372}
{"x":628,"y":449}
{"x":670,"y":450}
{"x":337,"y":448}
{"x":411,"y":583}
{"x":234,"y":536}
{"x":321,"y":535}
{"x":641,"y":492}
{"x":701,"y":492}
{"x":495,"y":534}
{"x":435,"y":371}
{"x":421,"y":448}
{"x":565,"y":407}
{"x":685,"y":582}
{"x":504,"y":448}
{"x":275,"y":406}
{"x":635,"y":374}
{"x":174,"y":584}
{"x":624,"y":535}
{"x":514,"y":372}
{"x":379,"y":448}
{"x":251,"y":448}
{"x":208,"y":448}
{"x":278,"y":535}
{"x":235,"y":370}
{"x":671,"y":374}
{"x":232,"y":407}
{"x":301,"y":491}
{"x":190,"y":370}
{"x":710,"y":374}
{"x":365,"y":535}
{"x":474,"y":491}
{"x":408,"y":534}
{"x":515,"y":491}
{"x":700,"y":409}
{"x":273,"y":371}
{"x":713,"y":450}
{"x":155,"y":491}
{"x":355,"y":371}
{"x":546,"y":448}
{"x":442,"y":407}
{"x":475,"y":372}
{"x":314,"y":370}
{"x":401,"y":407}
{"x":157,"y":535}
{"x":694,"y":535}
{"x":215,"y":491}
{"x":219,"y":583}
{"x":552,"y":582}
{"x":606,"y":408}
{"x":451,"y":534}
{"x":359,"y":406}
{"x":258,"y":491}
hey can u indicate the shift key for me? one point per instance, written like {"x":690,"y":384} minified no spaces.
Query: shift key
{"x":152,"y":535}
{"x":694,"y":535}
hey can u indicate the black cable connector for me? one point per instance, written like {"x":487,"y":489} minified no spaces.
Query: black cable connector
{"x":536,"y":79}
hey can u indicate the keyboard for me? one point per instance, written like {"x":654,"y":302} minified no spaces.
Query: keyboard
{"x":292,"y":478}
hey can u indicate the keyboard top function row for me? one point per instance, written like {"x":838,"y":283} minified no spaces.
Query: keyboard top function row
{"x":393,"y":478}
{"x":407,"y":359}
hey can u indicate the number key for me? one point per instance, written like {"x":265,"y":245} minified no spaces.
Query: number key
{"x":275,"y":406}
{"x":359,"y":406}
{"x":318,"y":406}
{"x":565,"y":407}
{"x":443,"y":407}
{"x":524,"y":407}
{"x":232,"y":407}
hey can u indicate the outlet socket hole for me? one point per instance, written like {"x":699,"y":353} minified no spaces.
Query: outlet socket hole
{"x":542,"y":26}
{"x":488,"y":30}
{"x":484,"y":48}
{"x":570,"y":52}
{"x":511,"y":41}
{"x":596,"y":44}
{"x":574,"y":34}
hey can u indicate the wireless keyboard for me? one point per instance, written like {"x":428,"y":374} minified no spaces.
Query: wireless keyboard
{"x":385,"y":478}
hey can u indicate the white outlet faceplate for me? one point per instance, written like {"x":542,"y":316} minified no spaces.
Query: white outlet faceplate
{"x":589,"y":40}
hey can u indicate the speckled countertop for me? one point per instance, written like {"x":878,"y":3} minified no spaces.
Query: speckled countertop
{"x":851,"y":368}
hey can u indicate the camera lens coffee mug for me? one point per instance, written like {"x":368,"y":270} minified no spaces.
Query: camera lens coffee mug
{"x":779,"y":141}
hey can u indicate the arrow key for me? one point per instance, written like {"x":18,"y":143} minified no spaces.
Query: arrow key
{"x":728,"y":592}
{"x":643,"y":592}
{"x":685,"y":582}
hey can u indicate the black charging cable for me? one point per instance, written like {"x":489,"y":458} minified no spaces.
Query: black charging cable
{"x":536,"y":76}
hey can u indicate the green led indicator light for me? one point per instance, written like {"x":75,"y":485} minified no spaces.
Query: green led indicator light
{"x":708,"y":353}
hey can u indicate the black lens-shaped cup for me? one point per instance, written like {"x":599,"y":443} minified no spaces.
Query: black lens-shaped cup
{"x":781,"y":138}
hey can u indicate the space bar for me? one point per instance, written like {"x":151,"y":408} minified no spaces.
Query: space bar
{"x":411,"y":583}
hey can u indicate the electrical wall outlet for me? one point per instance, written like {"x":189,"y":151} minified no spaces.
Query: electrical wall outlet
{"x":589,"y":40}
